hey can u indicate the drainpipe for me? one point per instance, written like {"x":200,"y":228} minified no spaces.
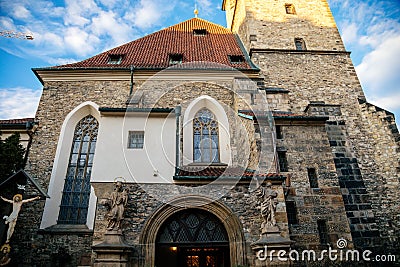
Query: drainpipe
{"x":177,"y":116}
{"x":131,"y":88}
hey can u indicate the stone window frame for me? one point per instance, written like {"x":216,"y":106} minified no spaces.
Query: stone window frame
{"x":76,"y":192}
{"x":59,"y":170}
{"x":217,"y":109}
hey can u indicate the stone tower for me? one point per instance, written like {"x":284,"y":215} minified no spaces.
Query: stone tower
{"x":298,"y":48}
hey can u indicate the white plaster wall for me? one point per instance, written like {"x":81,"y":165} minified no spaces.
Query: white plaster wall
{"x":155,"y":163}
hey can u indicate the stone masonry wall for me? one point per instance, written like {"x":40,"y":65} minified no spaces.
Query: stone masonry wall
{"x":307,"y":146}
{"x":145,"y":199}
{"x":265,"y":24}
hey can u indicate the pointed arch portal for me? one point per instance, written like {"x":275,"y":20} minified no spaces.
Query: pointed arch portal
{"x":192,"y":238}
{"x":193,"y":230}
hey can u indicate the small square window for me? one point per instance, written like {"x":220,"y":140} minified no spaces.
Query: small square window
{"x":236,"y":59}
{"x":175,"y":59}
{"x":290,"y":9}
{"x":199,"y":32}
{"x":135,"y":139}
{"x":114,"y":59}
{"x":300,"y":44}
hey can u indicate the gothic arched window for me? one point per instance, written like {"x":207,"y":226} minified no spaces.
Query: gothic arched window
{"x":75,"y":198}
{"x":205,"y":137}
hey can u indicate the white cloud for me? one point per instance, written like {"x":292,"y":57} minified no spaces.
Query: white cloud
{"x":147,"y":15}
{"x":349,"y":33}
{"x":7,"y":23}
{"x":78,"y":12}
{"x":107,"y":24}
{"x":18,"y":102}
{"x":79,"y":41}
{"x":21,"y":12}
{"x":379,"y":69}
{"x":391,"y":102}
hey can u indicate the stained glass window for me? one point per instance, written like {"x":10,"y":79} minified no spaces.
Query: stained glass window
{"x":205,"y":137}
{"x":75,"y":198}
{"x":193,"y":226}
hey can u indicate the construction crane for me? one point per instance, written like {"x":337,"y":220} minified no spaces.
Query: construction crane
{"x":20,"y":35}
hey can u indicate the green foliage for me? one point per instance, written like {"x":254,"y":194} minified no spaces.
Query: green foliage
{"x":11,"y":156}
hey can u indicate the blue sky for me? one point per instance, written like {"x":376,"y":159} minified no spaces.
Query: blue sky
{"x":72,"y":30}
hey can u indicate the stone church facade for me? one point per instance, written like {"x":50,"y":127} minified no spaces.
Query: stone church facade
{"x":194,"y":119}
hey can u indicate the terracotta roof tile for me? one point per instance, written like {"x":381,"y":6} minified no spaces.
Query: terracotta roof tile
{"x":152,"y":51}
{"x":16,"y":121}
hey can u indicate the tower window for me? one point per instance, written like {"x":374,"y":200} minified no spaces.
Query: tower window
{"x":300,"y":44}
{"x":312,"y":177}
{"x":283,"y":164}
{"x":290,"y":9}
{"x":175,"y":59}
{"x":136,"y":139}
{"x":323,"y":232}
{"x":199,"y":32}
{"x":114,"y":59}
{"x":291,"y":212}
{"x":236,"y":59}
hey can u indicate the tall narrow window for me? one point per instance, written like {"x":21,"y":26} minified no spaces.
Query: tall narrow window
{"x":323,"y":232}
{"x":300,"y":44}
{"x":291,"y":212}
{"x":312,"y":177}
{"x":75,"y":198}
{"x":283,"y":165}
{"x":279,"y":134}
{"x":205,"y":137}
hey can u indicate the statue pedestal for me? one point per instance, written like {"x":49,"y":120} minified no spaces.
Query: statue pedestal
{"x":113,"y":251}
{"x":272,"y":249}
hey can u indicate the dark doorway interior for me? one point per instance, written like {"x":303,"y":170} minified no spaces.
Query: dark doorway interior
{"x":192,"y":238}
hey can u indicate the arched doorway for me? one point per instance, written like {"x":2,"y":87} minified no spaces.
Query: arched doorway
{"x":192,"y":238}
{"x":227,"y":217}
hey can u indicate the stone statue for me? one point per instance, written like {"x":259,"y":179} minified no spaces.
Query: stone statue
{"x":11,"y":220}
{"x":4,"y":254}
{"x":119,"y":199}
{"x":268,"y":203}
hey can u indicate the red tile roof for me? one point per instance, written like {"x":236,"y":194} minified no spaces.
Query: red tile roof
{"x":16,"y":121}
{"x":152,"y":51}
